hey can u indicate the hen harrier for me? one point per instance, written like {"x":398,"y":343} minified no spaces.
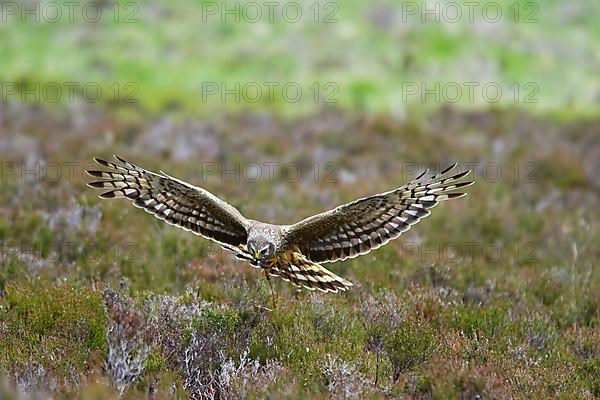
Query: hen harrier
{"x":293,"y":252}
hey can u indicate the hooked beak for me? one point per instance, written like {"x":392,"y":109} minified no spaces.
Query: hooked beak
{"x":257,"y":255}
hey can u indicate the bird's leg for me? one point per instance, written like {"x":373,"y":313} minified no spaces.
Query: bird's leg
{"x":271,"y":286}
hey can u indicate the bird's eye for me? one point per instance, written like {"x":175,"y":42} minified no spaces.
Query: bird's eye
{"x":264,"y":250}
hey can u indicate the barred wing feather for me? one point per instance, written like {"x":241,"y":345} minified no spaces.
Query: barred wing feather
{"x":172,"y":200}
{"x":365,"y":224}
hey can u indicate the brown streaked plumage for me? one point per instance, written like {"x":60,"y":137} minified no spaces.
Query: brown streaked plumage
{"x":293,"y":266}
{"x":292,"y":252}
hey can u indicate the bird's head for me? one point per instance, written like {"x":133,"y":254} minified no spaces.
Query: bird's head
{"x":261,"y":249}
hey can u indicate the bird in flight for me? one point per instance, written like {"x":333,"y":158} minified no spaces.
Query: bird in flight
{"x":292,"y":252}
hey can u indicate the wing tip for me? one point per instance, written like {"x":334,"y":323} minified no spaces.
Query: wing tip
{"x":101,"y":161}
{"x":94,"y":173}
{"x":422,"y":174}
{"x":97,"y":184}
{"x":109,"y":164}
{"x":463,"y":184}
{"x":120,"y":159}
{"x":462,"y":174}
{"x":108,"y":195}
{"x":455,"y":195}
{"x":449,"y":168}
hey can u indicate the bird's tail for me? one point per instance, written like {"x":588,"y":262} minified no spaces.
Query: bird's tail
{"x":293,"y":266}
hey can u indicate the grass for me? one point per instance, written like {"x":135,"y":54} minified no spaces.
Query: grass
{"x":494,"y":295}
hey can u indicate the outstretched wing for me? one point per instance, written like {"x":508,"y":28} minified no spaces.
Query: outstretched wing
{"x":368,"y":223}
{"x":174,"y":201}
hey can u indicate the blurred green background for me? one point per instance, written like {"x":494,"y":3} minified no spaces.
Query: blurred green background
{"x":543,"y":56}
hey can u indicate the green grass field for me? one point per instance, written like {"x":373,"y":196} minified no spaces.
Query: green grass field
{"x":494,"y":296}
{"x":380,"y":57}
